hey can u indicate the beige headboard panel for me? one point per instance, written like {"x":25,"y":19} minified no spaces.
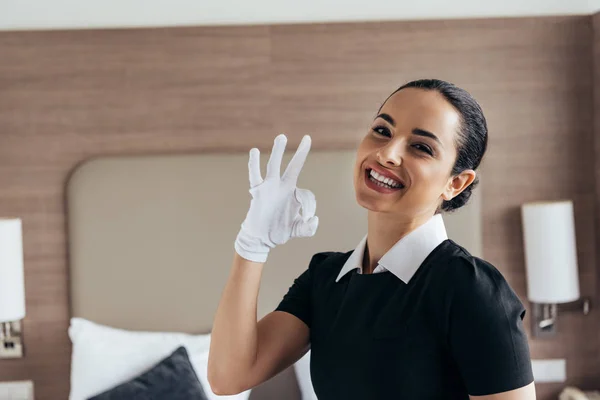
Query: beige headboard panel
{"x":151,"y":237}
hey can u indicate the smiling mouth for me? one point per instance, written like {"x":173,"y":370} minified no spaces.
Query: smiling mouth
{"x":381,"y":181}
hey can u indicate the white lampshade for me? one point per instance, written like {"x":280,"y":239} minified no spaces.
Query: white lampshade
{"x":12,"y":288}
{"x":550,"y":252}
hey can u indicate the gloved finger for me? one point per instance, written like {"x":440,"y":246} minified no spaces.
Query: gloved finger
{"x":308,"y":203}
{"x":274,"y":164}
{"x":305,"y":228}
{"x":254,"y":168}
{"x":295,"y":166}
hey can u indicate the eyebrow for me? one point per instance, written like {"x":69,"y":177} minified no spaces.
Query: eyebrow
{"x":415,"y":131}
{"x":388,"y":118}
{"x":423,"y":132}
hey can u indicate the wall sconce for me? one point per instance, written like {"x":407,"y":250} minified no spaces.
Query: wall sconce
{"x":551,"y":263}
{"x":12,"y":288}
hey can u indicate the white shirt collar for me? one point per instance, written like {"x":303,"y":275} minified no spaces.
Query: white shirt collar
{"x":407,"y":255}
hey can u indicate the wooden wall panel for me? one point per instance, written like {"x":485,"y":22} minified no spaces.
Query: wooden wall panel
{"x":68,"y":96}
{"x":596,"y":112}
{"x":541,"y":126}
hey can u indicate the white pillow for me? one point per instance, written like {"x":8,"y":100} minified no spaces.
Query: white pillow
{"x":302,"y":369}
{"x":104,"y":357}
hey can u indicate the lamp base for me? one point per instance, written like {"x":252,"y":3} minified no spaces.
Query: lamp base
{"x":543,"y":320}
{"x":545,"y":316}
{"x":11,"y":345}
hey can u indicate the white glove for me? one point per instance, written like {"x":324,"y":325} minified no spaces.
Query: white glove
{"x":278,"y":209}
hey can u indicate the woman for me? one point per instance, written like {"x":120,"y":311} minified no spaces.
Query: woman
{"x":409,"y":314}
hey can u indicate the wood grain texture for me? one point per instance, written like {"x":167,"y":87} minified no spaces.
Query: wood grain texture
{"x":596,"y":111}
{"x":67,"y":96}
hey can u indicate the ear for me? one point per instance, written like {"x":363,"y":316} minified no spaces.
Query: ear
{"x":458,"y":183}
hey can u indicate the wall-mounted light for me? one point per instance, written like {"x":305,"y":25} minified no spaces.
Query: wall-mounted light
{"x":12,"y":288}
{"x":551,"y":263}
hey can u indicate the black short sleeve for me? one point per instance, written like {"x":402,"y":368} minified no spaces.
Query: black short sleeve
{"x":298,"y":300}
{"x":486,"y":334}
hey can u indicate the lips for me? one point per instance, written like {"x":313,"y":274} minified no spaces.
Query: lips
{"x":377,"y":186}
{"x":386,"y":173}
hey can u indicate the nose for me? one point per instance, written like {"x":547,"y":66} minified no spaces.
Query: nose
{"x":390,"y":155}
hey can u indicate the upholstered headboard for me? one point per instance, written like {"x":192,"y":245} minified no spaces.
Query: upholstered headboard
{"x":151,"y":237}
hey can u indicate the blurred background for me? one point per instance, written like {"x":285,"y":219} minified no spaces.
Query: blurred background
{"x":136,"y":80}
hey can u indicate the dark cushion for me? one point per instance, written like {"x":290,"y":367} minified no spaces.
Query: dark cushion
{"x":173,"y":378}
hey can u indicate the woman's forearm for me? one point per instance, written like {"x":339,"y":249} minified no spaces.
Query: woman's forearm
{"x":233,"y":347}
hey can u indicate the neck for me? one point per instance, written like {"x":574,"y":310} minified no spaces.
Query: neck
{"x":384,"y":231}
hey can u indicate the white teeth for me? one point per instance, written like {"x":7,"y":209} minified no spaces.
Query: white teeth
{"x":384,"y":180}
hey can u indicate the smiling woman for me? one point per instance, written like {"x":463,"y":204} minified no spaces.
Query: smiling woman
{"x":408,"y":313}
{"x":442,"y":123}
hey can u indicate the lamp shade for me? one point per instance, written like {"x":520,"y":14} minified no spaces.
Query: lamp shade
{"x":550,"y":252}
{"x":12,"y":288}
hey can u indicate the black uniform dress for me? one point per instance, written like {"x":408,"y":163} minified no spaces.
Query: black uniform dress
{"x":454,"y":330}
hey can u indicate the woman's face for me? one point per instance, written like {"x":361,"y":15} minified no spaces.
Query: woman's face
{"x":411,"y":142}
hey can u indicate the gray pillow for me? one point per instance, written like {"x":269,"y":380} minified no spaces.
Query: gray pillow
{"x":173,"y":378}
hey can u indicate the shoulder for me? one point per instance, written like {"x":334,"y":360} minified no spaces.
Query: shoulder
{"x":325,"y":267}
{"x":459,"y":267}
{"x":473,"y":279}
{"x":328,"y":262}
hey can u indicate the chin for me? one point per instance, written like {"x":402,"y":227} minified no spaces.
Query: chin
{"x":373,"y":201}
{"x":370,"y":205}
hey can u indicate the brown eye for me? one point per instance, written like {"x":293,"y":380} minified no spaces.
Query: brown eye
{"x":424,"y":148}
{"x":383,"y":131}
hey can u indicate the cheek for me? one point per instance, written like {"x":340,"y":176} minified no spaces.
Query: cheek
{"x":361,"y":155}
{"x":363,"y":147}
{"x":431,"y":177}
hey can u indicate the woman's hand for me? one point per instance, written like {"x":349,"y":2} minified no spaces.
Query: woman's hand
{"x":278,"y":210}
